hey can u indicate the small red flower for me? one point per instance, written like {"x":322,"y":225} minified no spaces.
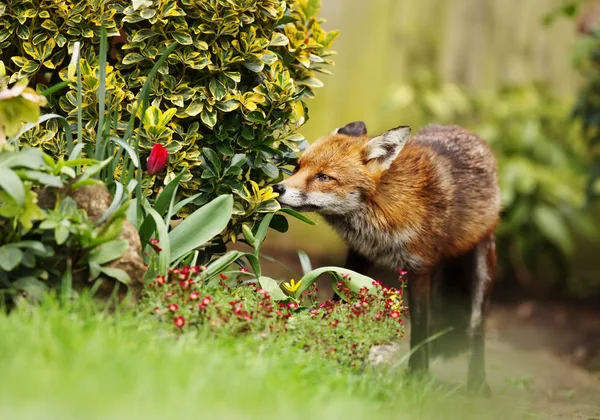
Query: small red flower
{"x":243,"y":270}
{"x":223,"y":276}
{"x":292,"y":305}
{"x":179,"y":321}
{"x":194,"y":296}
{"x":161,"y":279}
{"x":204,"y":302}
{"x":157,"y":160}
{"x":173,"y":307}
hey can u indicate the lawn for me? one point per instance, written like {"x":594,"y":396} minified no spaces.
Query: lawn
{"x":76,"y":363}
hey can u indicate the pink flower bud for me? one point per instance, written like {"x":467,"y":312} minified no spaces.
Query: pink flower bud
{"x":157,"y":160}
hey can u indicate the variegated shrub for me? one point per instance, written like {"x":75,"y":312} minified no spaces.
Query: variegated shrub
{"x":226,"y":103}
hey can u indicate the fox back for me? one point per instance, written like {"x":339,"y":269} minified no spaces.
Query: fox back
{"x":402,"y":201}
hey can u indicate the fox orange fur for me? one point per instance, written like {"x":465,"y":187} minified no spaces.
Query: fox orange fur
{"x":427,"y":203}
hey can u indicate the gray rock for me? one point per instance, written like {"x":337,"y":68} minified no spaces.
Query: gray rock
{"x":386,"y":354}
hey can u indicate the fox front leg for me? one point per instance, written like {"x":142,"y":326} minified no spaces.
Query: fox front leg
{"x":419,"y":293}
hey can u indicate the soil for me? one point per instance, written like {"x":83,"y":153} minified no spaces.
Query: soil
{"x":536,"y":364}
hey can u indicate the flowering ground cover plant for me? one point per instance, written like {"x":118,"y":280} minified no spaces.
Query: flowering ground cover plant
{"x":344,"y":332}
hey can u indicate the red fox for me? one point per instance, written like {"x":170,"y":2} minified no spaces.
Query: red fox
{"x":428,"y":204}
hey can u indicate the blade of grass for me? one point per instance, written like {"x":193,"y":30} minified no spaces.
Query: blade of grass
{"x":130,"y":152}
{"x":79,"y":106}
{"x":55,"y":88}
{"x":67,"y":282}
{"x":132,"y":212}
{"x":304,"y":262}
{"x":62,"y":121}
{"x":261,"y":232}
{"x":116,"y":203}
{"x":101,"y":91}
{"x":171,"y":204}
{"x":163,"y":237}
{"x":166,"y":195}
{"x":76,"y":152}
{"x":106,"y":174}
{"x":182,"y":203}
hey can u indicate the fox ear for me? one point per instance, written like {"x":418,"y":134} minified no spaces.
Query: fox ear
{"x":354,"y":129}
{"x":381,"y":151}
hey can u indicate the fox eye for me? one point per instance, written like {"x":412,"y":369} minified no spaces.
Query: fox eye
{"x":323,"y":178}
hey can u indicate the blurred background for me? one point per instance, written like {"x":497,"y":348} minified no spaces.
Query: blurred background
{"x":522,"y":74}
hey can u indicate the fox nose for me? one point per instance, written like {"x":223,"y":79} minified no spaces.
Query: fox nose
{"x":279,"y":189}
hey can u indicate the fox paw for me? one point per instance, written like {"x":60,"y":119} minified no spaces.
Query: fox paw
{"x":479,"y":388}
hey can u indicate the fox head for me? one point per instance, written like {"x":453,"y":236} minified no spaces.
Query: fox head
{"x":339,"y":171}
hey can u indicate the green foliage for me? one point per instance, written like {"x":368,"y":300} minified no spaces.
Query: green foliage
{"x":18,"y":104}
{"x":568,"y":10}
{"x":587,"y":107}
{"x":542,"y":167}
{"x":45,"y":245}
{"x":225,"y":103}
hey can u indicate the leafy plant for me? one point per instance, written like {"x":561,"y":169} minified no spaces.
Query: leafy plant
{"x":586,"y":109}
{"x":225,"y":103}
{"x":18,"y":104}
{"x":53,"y":244}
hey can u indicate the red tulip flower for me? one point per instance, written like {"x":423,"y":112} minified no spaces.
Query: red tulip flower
{"x":157,"y":160}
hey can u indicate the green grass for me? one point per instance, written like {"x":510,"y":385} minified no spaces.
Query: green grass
{"x":73,"y":364}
